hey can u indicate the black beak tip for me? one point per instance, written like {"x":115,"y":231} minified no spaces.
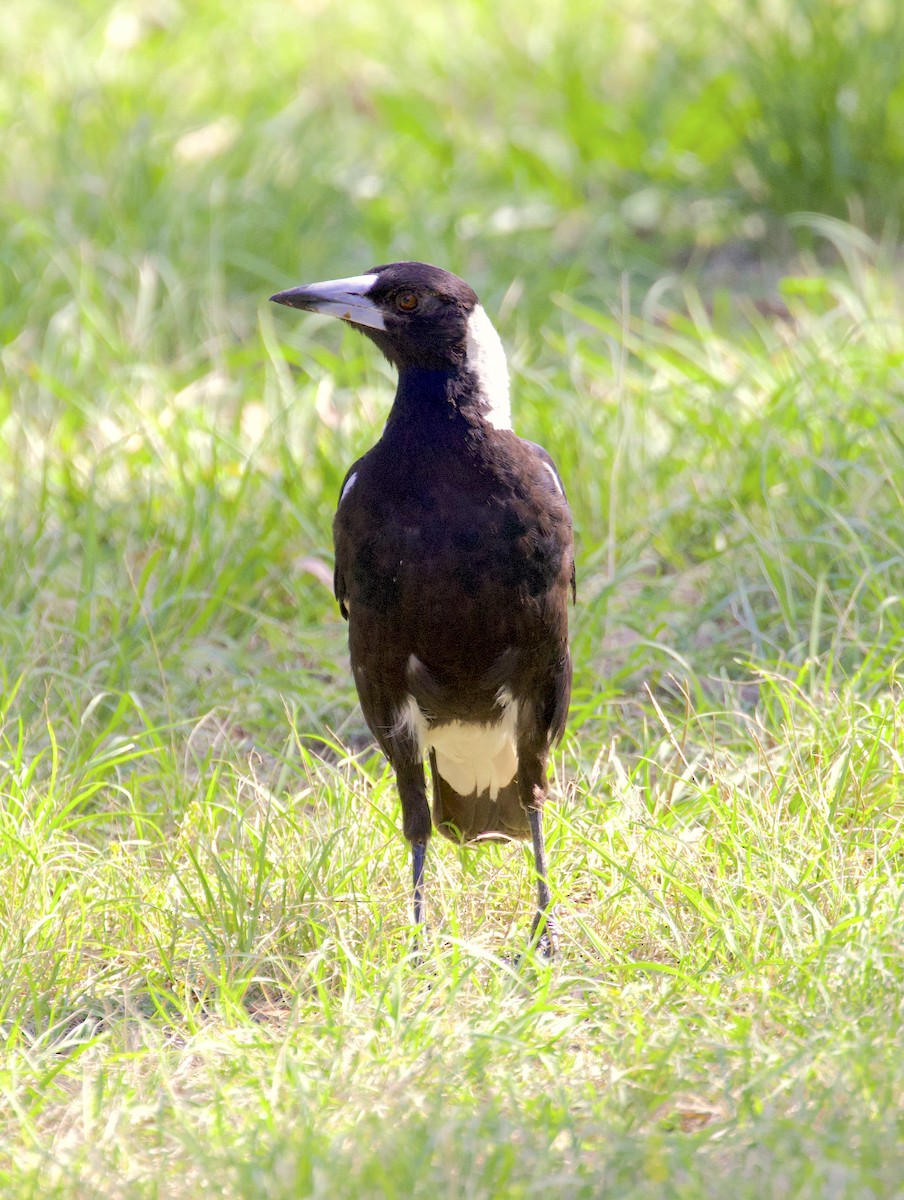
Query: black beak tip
{"x":283,"y":298}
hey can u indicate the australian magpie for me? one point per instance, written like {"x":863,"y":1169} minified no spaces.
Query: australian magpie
{"x":454,"y":567}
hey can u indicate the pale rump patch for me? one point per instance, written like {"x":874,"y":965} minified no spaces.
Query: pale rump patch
{"x":410,"y":723}
{"x":470,"y":757}
{"x":486,"y":359}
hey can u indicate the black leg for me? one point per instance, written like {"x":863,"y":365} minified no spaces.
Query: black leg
{"x":532,"y":793}
{"x":418,"y":856}
{"x":545,"y":930}
{"x":416,"y":826}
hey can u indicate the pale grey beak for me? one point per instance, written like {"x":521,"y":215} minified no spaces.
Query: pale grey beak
{"x":343,"y":298}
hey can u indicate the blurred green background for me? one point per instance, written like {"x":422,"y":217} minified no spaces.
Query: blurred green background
{"x":230,"y":147}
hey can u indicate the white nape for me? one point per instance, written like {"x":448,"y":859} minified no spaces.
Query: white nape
{"x":349,"y":484}
{"x":486,"y":358}
{"x":470,"y":757}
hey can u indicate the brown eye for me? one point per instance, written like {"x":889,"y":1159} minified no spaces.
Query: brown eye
{"x":406,"y":301}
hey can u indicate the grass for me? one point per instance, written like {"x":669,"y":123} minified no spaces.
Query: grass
{"x":204,"y":941}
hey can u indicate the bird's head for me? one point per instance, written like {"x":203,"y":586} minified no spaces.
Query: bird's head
{"x":420,"y":316}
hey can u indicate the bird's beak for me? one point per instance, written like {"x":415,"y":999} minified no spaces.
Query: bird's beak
{"x":343,"y":298}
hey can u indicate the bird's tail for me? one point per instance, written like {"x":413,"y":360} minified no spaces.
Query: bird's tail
{"x":476,"y":817}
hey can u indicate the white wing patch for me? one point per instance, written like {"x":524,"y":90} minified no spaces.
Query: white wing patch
{"x":486,"y":358}
{"x":470,"y":757}
{"x":349,"y":484}
{"x":555,"y":479}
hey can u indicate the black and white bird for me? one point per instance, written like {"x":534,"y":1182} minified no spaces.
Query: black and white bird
{"x":454,"y":568}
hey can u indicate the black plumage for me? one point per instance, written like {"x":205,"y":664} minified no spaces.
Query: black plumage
{"x":454,"y":568}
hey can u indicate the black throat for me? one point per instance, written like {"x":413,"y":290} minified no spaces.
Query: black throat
{"x":435,"y":399}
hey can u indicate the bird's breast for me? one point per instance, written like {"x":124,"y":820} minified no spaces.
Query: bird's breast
{"x":454,"y":563}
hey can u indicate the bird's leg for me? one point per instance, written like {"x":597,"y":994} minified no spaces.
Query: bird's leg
{"x":418,"y":857}
{"x":416,"y":826}
{"x":545,"y":929}
{"x":532,"y":794}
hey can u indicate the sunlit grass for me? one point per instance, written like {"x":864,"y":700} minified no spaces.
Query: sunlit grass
{"x":206,"y":950}
{"x":208,"y":985}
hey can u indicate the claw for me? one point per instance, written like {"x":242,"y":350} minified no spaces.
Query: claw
{"x":544,"y":934}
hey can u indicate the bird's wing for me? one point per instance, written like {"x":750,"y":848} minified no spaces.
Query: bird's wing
{"x":555,"y":699}
{"x":556,"y":480}
{"x":340,"y":589}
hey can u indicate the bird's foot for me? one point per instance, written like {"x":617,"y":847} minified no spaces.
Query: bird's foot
{"x":416,"y":945}
{"x":544,"y":934}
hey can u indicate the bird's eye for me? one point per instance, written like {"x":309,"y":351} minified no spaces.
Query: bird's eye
{"x":406,"y":301}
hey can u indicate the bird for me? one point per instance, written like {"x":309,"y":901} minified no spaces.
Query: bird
{"x":454,"y":567}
